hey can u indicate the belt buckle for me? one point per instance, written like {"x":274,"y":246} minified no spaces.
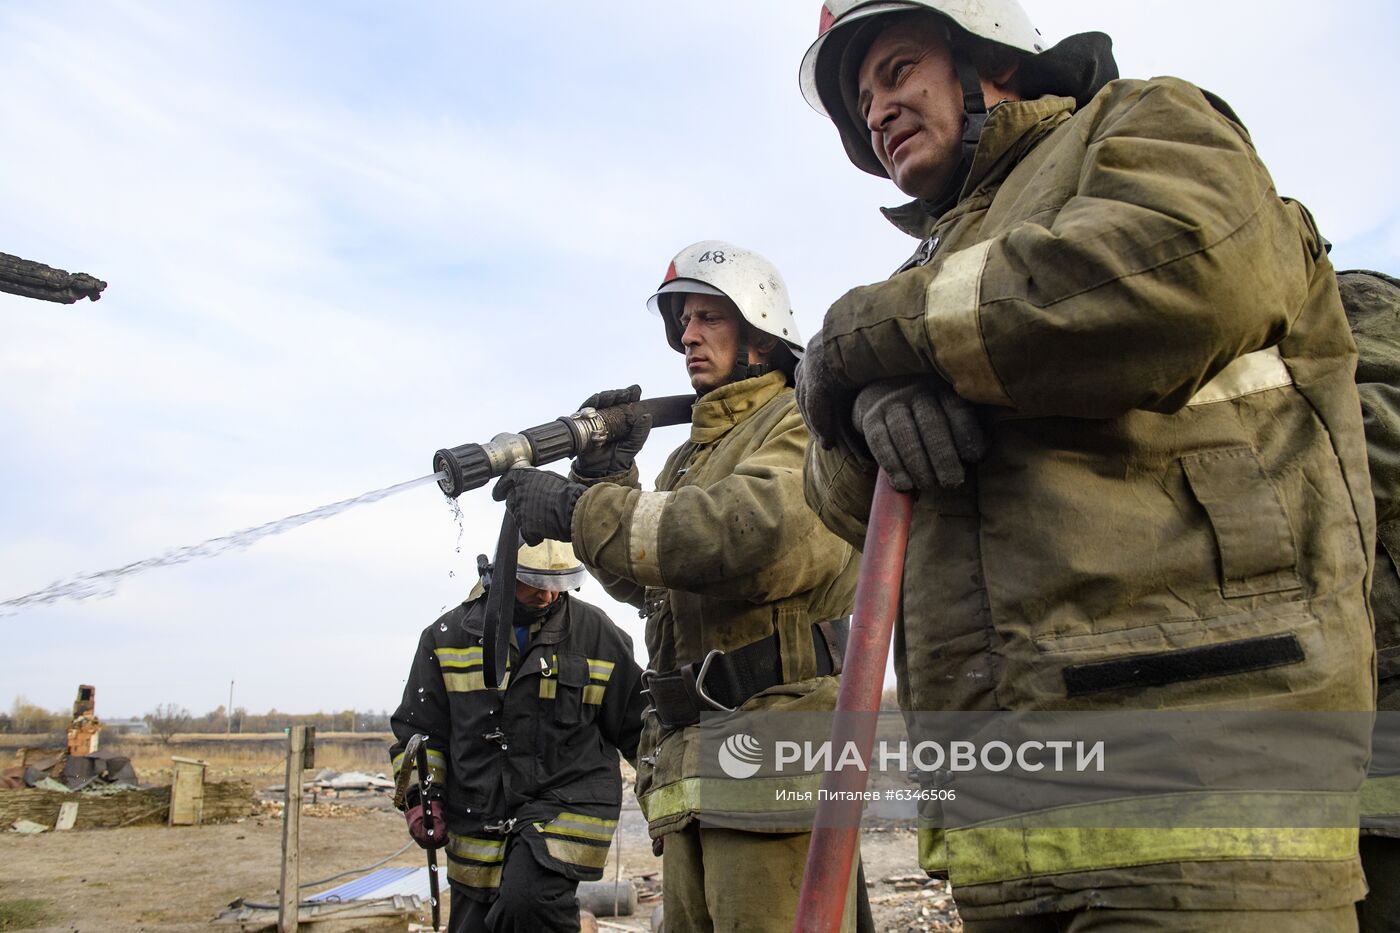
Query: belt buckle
{"x":700,"y":682}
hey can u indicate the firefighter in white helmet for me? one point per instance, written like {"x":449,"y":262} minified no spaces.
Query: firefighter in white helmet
{"x":533,"y":788}
{"x":1117,"y":376}
{"x":745,"y":594}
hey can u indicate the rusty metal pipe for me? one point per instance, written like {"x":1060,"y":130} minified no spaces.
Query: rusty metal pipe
{"x":836,"y":829}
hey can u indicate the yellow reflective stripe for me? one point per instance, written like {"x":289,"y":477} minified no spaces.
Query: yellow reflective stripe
{"x":459,"y":657}
{"x":547,"y":688}
{"x":576,"y":853}
{"x":475,"y":862}
{"x":1380,"y":796}
{"x":644,"y":538}
{"x":600,"y":670}
{"x":1253,"y":372}
{"x":1013,"y":848}
{"x":989,"y":855}
{"x":462,"y":683}
{"x":576,"y":824}
{"x":723,"y":795}
{"x":474,"y":876}
{"x":593,"y":694}
{"x":475,"y":848}
{"x":437,"y":765}
{"x":952,"y":316}
{"x":471,"y":680}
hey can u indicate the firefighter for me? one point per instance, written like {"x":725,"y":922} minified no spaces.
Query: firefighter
{"x":1117,"y":376}
{"x":1372,"y":301}
{"x":531,"y":769}
{"x":736,"y":578}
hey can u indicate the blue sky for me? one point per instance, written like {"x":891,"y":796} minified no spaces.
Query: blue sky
{"x":338,"y":239}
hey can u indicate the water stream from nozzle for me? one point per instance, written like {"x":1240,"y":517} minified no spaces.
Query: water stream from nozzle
{"x":105,"y":582}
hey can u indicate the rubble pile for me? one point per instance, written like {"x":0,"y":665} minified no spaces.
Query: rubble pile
{"x":914,"y":903}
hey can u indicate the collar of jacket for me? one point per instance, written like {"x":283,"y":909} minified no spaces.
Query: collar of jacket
{"x":552,"y":630}
{"x":1013,"y":129}
{"x":716,"y":412}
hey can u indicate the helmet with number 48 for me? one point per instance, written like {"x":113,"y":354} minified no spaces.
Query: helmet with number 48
{"x":714,"y":267}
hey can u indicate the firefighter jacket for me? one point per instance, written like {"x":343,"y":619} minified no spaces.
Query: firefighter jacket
{"x":539,"y":756}
{"x":724,"y":553}
{"x":1373,"y":309}
{"x":1174,"y":511}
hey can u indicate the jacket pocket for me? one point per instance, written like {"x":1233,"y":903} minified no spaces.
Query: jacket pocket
{"x":1252,"y":533}
{"x":568,"y":694}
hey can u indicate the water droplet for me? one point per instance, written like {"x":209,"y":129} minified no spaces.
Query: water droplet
{"x":442,"y":627}
{"x":451,"y":574}
{"x":420,"y":689}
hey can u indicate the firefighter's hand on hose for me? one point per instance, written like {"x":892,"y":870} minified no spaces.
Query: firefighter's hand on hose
{"x":542,"y":503}
{"x":823,"y":398}
{"x":920,"y":431}
{"x":425,"y":821}
{"x":619,"y":453}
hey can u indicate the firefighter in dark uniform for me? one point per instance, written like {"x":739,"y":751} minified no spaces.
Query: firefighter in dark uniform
{"x":533,"y":787}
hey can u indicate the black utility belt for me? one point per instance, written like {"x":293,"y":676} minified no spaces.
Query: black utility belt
{"x":725,"y":680}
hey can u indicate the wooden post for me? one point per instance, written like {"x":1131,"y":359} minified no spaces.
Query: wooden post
{"x":300,"y":743}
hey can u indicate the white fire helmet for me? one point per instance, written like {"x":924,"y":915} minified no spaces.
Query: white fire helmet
{"x":550,"y":565}
{"x":821,"y":73}
{"x":714,"y":267}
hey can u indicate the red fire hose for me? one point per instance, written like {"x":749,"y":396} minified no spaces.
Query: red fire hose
{"x":836,"y":829}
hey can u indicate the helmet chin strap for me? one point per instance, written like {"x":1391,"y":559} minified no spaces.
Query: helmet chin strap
{"x":974,"y":119}
{"x":743,"y":369}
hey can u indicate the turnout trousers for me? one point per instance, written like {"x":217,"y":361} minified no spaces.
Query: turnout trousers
{"x":729,"y":881}
{"x":531,"y":899}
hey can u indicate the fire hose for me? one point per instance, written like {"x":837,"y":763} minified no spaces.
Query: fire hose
{"x":472,"y":466}
{"x":836,"y":828}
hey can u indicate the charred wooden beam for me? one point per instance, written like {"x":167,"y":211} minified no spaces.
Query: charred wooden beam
{"x":36,"y":280}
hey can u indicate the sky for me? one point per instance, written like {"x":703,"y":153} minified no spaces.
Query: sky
{"x":339,"y":236}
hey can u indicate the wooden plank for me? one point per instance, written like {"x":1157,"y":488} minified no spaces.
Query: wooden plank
{"x":223,"y":801}
{"x":67,"y":815}
{"x":290,"y":892}
{"x":182,"y":789}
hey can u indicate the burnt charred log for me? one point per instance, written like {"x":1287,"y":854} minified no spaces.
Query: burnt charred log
{"x":36,"y":280}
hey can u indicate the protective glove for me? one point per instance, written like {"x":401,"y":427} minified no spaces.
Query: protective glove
{"x":542,"y":503}
{"x":824,"y":399}
{"x":424,"y":816}
{"x":619,"y":453}
{"x":920,"y":431}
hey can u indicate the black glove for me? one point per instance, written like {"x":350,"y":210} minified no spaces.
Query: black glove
{"x":824,"y":399}
{"x":920,"y":431}
{"x":617,"y":455}
{"x":542,"y":503}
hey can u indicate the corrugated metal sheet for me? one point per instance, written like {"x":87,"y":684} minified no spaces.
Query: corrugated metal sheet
{"x":384,"y":882}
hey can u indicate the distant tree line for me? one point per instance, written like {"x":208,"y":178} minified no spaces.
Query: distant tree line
{"x":170,"y":719}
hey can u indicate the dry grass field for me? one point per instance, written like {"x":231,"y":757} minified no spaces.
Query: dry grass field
{"x":251,"y":757}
